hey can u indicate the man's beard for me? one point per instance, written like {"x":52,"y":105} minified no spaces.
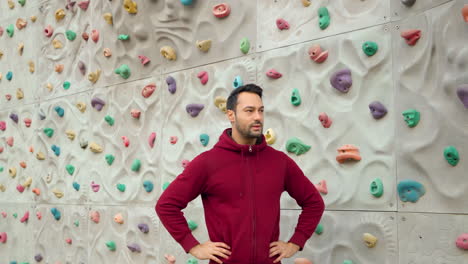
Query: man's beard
{"x":247,"y":133}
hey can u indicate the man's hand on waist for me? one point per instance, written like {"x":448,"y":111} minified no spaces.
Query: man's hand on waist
{"x":283,"y":249}
{"x":211,"y":250}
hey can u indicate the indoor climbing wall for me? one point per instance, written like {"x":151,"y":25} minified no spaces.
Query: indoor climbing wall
{"x":103,"y":103}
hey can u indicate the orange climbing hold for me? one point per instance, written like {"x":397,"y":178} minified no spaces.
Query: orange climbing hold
{"x":348,"y":152}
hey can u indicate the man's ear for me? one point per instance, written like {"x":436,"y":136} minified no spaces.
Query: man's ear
{"x":231,"y":115}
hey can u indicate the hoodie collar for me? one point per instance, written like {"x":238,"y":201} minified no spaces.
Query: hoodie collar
{"x":226,"y":142}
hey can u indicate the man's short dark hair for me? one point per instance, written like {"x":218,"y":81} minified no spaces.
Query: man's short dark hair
{"x":232,"y":99}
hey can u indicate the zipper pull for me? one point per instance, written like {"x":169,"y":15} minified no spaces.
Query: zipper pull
{"x":250,"y":148}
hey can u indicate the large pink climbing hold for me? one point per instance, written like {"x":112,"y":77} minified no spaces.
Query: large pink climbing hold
{"x":282,"y":24}
{"x":95,"y":216}
{"x":95,"y":187}
{"x":20,"y":188}
{"x":25,"y":217}
{"x":27,"y":122}
{"x":39,"y":215}
{"x":151,"y":139}
{"x":272,"y":73}
{"x":325,"y":120}
{"x":3,"y":237}
{"x":464,"y":12}
{"x":203,"y":76}
{"x":322,"y":187}
{"x":412,"y":36}
{"x":462,"y":241}
{"x":221,"y":10}
{"x":2,"y":125}
{"x":143,"y":59}
{"x":10,"y":141}
{"x":83,"y":5}
{"x":95,"y":35}
{"x":317,"y":54}
{"x":148,"y":90}
{"x":48,"y":31}
{"x":126,"y":141}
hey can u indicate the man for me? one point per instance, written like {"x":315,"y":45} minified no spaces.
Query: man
{"x":240,"y":181}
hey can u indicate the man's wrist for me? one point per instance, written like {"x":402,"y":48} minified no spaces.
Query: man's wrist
{"x":295,"y":245}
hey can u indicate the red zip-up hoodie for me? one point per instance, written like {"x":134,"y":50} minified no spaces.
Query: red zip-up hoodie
{"x":241,"y":186}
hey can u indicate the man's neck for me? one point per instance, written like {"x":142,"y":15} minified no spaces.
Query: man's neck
{"x":241,"y":140}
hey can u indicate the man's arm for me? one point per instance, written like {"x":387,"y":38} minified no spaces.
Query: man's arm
{"x":308,"y":198}
{"x":186,"y":187}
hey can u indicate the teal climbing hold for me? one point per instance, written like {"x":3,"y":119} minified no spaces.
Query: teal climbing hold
{"x":56,"y":150}
{"x":324,"y":17}
{"x":9,"y":75}
{"x":70,"y":169}
{"x":148,"y":185}
{"x":245,"y":45}
{"x":76,"y":186}
{"x":71,"y":35}
{"x":451,"y":155}
{"x":66,"y":85}
{"x":296,"y":146}
{"x":10,"y":30}
{"x":136,"y":165}
{"x":204,"y":139}
{"x":237,"y":82}
{"x":123,"y":71}
{"x":110,"y":159}
{"x":410,"y":191}
{"x":56,"y":213}
{"x":48,"y":131}
{"x":165,"y":185}
{"x":110,"y":120}
{"x":59,"y":110}
{"x":1,"y":169}
{"x":15,"y":215}
{"x":319,"y":229}
{"x":121,"y":187}
{"x":192,"y":225}
{"x":192,"y":261}
{"x":123,"y":37}
{"x":376,"y":188}
{"x":347,"y":261}
{"x":186,"y":2}
{"x":76,"y":223}
{"x":370,"y":48}
{"x":296,"y":97}
{"x":111,"y":245}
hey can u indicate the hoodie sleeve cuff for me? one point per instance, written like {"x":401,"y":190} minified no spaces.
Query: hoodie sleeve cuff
{"x":298,"y":239}
{"x":189,"y":242}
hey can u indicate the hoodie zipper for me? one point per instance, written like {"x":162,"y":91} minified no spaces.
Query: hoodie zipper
{"x":253,"y":209}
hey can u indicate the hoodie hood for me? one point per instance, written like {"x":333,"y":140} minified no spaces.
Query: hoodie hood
{"x":226,"y":142}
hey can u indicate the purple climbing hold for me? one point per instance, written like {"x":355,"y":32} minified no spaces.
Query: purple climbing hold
{"x":143,"y":228}
{"x":98,"y":103}
{"x":341,"y":80}
{"x":38,"y":257}
{"x":82,"y":67}
{"x":194,"y":109}
{"x":172,"y":86}
{"x":378,"y":110}
{"x":134,"y":247}
{"x":14,"y":117}
{"x":462,"y":93}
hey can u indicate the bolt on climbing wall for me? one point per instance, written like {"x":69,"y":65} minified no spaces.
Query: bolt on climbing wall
{"x":104,"y":103}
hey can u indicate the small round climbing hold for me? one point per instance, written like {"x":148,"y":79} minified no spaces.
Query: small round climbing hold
{"x":204,"y":139}
{"x":48,"y":31}
{"x":369,"y":240}
{"x":324,"y":17}
{"x":412,"y":117}
{"x":192,"y":225}
{"x":322,"y":187}
{"x":95,"y":35}
{"x":59,"y":14}
{"x":136,"y":165}
{"x":76,"y":186}
{"x":221,"y":10}
{"x":319,"y":229}
{"x":59,"y":110}
{"x":123,"y":71}
{"x":295,"y":97}
{"x":172,"y":85}
{"x":148,"y":90}
{"x":38,"y":257}
{"x":377,"y":109}
{"x":66,"y":85}
{"x":451,"y":155}
{"x":9,"y":75}
{"x":110,"y":159}
{"x":341,"y":80}
{"x":95,"y":216}
{"x":194,"y":109}
{"x":14,"y":117}
{"x":21,"y":23}
{"x":107,"y":52}
{"x":148,"y":186}
{"x":94,"y":147}
{"x":461,"y":242}
{"x":377,"y":188}
{"x":56,"y":150}
{"x":95,"y":186}
{"x":245,"y":45}
{"x":192,"y":260}
{"x":85,"y":36}
{"x":94,"y":76}
{"x":118,"y":218}
{"x":111,"y":245}
{"x":325,"y":120}
{"x":22,"y":2}
{"x":282,"y":24}
{"x":306,"y":3}
{"x":110,"y":120}
{"x":135,"y":113}
{"x":134,"y":247}
{"x":204,"y":45}
{"x":370,"y":48}
{"x":410,"y":191}
{"x":143,"y":228}
{"x":71,"y":35}
{"x":84,"y":5}
{"x":121,"y":187}
{"x":296,"y":146}
{"x":70,"y":169}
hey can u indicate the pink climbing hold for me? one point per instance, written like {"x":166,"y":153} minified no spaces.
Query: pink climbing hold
{"x":48,"y":31}
{"x":83,"y":5}
{"x":173,"y":140}
{"x":273,"y":74}
{"x":282,"y":24}
{"x":25,"y":217}
{"x":221,"y":10}
{"x":152,"y":139}
{"x":3,"y":237}
{"x":20,"y":188}
{"x":95,"y":216}
{"x":2,"y":125}
{"x":4,"y":214}
{"x":135,"y":113}
{"x":27,"y":122}
{"x":170,"y":259}
{"x":95,"y":35}
{"x":317,"y":54}
{"x":39,"y":215}
{"x":412,"y":36}
{"x":10,"y":141}
{"x":1,"y":149}
{"x":322,"y":187}
{"x":8,"y":97}
{"x":69,"y":241}
{"x":1,"y":31}
{"x":143,"y":59}
{"x":95,"y":187}
{"x":126,"y":141}
{"x":325,"y":120}
{"x":85,"y":36}
{"x":185,"y":163}
{"x":462,"y":241}
{"x":203,"y":76}
{"x":148,"y":90}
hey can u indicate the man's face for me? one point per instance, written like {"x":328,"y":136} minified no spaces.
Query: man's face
{"x":248,"y":118}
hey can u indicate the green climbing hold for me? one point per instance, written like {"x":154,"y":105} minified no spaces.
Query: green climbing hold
{"x":77,"y":223}
{"x":412,"y":117}
{"x":1,"y":169}
{"x":451,"y":155}
{"x":192,"y":261}
{"x":319,"y":229}
{"x":10,"y":30}
{"x":71,"y":35}
{"x":22,"y":2}
{"x":296,"y":146}
{"x":66,"y":85}
{"x":165,"y":185}
{"x":110,"y":120}
{"x":111,"y":245}
{"x":204,"y":139}
{"x":295,"y":97}
{"x":15,"y":215}
{"x":192,"y":225}
{"x":347,"y":261}
{"x":49,"y":132}
{"x":324,"y":18}
{"x":70,"y":169}
{"x":123,"y":71}
{"x":376,"y":188}
{"x":370,"y":48}
{"x":123,"y":37}
{"x":245,"y":45}
{"x":121,"y":187}
{"x":136,"y":165}
{"x":110,"y":159}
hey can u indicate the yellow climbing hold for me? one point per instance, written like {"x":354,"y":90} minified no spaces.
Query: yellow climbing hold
{"x":70,"y":134}
{"x":94,"y":147}
{"x":57,"y":44}
{"x":59,"y":14}
{"x":2,"y":187}
{"x":130,"y":6}
{"x":40,"y":156}
{"x":32,"y":68}
{"x":11,"y":4}
{"x":1,"y":54}
{"x":220,"y":102}
{"x":94,"y":76}
{"x":108,"y":18}
{"x":270,"y":136}
{"x":58,"y":193}
{"x":27,"y":182}
{"x":81,"y":106}
{"x":204,"y":45}
{"x":12,"y":172}
{"x":20,"y":48}
{"x":306,"y":3}
{"x":49,"y":87}
{"x":168,"y":52}
{"x":369,"y":240}
{"x":19,"y":94}
{"x":33,"y":18}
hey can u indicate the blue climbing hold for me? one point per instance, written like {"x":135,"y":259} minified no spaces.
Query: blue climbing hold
{"x":410,"y":191}
{"x":9,"y":75}
{"x":148,"y":185}
{"x":237,"y":82}
{"x":59,"y":110}
{"x":76,"y":186}
{"x":56,"y":213}
{"x":186,"y":2}
{"x":56,"y":150}
{"x":204,"y":139}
